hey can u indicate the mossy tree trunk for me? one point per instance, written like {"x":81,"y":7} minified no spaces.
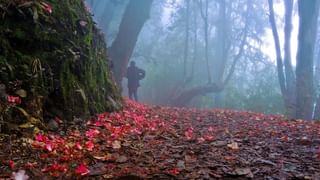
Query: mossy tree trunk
{"x":52,"y":50}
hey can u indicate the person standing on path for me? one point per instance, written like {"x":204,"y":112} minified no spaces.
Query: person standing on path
{"x":134,"y":75}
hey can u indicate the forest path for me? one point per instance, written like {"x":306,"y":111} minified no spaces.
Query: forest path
{"x":170,"y":143}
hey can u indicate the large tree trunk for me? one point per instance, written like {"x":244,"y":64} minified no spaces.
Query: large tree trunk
{"x":317,"y":81}
{"x":285,"y":72}
{"x":220,"y":60}
{"x":221,"y":46}
{"x":136,"y":14}
{"x":317,"y":110}
{"x":289,"y":73}
{"x":281,"y":76}
{"x":58,"y":58}
{"x":308,"y":13}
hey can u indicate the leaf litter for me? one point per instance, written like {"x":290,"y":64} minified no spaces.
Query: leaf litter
{"x":152,"y":142}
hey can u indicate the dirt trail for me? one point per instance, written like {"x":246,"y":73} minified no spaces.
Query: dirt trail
{"x":170,"y":143}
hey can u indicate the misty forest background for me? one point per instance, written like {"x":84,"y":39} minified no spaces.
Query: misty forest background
{"x":221,"y":54}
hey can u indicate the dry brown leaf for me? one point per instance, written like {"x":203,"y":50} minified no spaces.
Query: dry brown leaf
{"x":242,"y":171}
{"x":116,"y":144}
{"x":104,"y":157}
{"x":233,"y":146}
{"x":122,"y":159}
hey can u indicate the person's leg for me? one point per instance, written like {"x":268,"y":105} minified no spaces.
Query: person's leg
{"x":130,"y":93}
{"x":135,"y":94}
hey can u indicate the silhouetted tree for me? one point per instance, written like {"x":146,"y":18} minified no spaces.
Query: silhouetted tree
{"x":285,"y":71}
{"x":221,"y":74}
{"x":186,"y":45}
{"x":308,"y":13}
{"x":135,"y":15}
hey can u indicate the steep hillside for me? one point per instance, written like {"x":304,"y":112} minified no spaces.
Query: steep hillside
{"x":53,"y":61}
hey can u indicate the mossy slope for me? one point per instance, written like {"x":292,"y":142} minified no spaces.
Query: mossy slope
{"x":52,"y":50}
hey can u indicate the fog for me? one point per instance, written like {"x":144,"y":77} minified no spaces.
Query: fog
{"x":213,"y":54}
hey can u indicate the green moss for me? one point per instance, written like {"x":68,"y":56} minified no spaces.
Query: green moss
{"x":71,"y":88}
{"x":18,"y":33}
{"x":72,"y":73}
{"x":89,"y":36}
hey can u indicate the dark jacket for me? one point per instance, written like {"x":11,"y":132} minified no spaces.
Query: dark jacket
{"x":134,"y":75}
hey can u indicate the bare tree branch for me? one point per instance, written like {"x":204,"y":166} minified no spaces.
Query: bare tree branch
{"x":243,"y":42}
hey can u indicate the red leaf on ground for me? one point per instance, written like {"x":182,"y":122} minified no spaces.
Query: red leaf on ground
{"x":209,"y":137}
{"x":92,"y":133}
{"x":48,"y":146}
{"x":40,"y":138}
{"x":210,"y":129}
{"x":11,"y":164}
{"x":174,"y":171}
{"x":82,"y":170}
{"x":78,"y":146}
{"x":89,"y":145}
{"x":201,"y":140}
{"x":14,"y":99}
{"x":189,"y":133}
{"x":55,"y":167}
